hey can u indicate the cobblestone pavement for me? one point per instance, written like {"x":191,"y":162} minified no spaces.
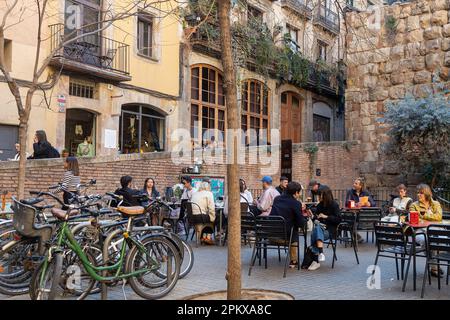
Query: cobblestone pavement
{"x":346,"y":281}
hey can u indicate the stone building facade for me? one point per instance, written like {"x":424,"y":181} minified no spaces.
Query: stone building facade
{"x":391,"y":51}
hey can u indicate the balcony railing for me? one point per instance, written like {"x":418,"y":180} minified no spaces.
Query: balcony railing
{"x":302,"y":7}
{"x":328,"y":19}
{"x":91,"y":53}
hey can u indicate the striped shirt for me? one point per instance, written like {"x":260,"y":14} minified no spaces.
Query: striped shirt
{"x":69,"y":183}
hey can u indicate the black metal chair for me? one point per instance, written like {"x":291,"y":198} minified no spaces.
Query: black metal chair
{"x":345,"y":233}
{"x":392,"y":242}
{"x":271,"y":233}
{"x":199,"y":221}
{"x":365,"y":221}
{"x":438,"y":251}
{"x":247,"y":223}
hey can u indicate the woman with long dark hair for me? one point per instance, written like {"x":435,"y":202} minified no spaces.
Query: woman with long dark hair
{"x":71,"y":179}
{"x":328,"y":216}
{"x":150,"y":188}
{"x":42,"y":149}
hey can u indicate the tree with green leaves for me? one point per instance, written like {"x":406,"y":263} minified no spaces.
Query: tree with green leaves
{"x":419,"y":132}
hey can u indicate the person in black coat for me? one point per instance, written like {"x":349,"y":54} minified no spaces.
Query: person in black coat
{"x":42,"y":149}
{"x":289,"y":207}
{"x":127,"y":193}
{"x":326,"y":220}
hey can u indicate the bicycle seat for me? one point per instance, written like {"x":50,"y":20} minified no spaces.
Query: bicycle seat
{"x":61,"y":214}
{"x":131,"y":211}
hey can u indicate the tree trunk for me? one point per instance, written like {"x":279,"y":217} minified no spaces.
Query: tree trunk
{"x":24,"y":115}
{"x":234,"y":214}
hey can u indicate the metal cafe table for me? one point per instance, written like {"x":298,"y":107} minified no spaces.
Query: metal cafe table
{"x":412,"y":231}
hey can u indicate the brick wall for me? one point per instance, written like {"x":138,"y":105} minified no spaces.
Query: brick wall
{"x":338,"y":166}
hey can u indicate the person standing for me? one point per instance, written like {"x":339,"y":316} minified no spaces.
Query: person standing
{"x":70,"y":181}
{"x":264,"y":202}
{"x":289,"y":207}
{"x":17,"y":156}
{"x":42,"y":149}
{"x":283,"y":184}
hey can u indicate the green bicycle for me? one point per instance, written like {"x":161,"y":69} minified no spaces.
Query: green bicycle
{"x":151,"y":266}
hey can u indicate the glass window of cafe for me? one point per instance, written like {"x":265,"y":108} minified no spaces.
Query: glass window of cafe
{"x":141,"y":129}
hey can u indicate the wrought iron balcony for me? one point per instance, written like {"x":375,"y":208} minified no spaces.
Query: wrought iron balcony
{"x":327,"y":19}
{"x":302,"y":7}
{"x":90,"y":53}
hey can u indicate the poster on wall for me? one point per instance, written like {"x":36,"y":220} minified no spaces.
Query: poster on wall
{"x":217,"y":185}
{"x":110,"y":139}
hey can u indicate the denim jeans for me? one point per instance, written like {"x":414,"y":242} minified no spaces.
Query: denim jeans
{"x":318,"y":234}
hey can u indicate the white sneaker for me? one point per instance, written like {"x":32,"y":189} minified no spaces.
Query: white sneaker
{"x":321,"y":257}
{"x":314,"y":266}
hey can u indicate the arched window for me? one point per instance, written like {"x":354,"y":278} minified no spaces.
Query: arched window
{"x":142,"y":129}
{"x":208,"y":111}
{"x":255,"y":107}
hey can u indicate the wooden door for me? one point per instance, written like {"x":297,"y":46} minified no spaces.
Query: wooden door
{"x":290,"y":117}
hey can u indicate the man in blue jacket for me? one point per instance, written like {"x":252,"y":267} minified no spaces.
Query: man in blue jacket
{"x":289,"y":207}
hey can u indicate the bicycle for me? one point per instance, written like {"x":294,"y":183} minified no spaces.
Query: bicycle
{"x":147,"y":256}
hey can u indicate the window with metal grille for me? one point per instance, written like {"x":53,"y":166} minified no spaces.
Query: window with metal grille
{"x":83,"y":89}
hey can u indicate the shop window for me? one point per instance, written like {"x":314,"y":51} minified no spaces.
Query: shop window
{"x":142,"y":129}
{"x":80,"y":133}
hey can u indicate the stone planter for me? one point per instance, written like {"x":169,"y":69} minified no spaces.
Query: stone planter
{"x":247,"y":294}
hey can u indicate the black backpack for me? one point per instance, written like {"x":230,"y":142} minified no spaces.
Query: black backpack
{"x":53,"y":153}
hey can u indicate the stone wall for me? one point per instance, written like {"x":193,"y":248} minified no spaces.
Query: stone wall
{"x":337,"y":161}
{"x":392,"y":50}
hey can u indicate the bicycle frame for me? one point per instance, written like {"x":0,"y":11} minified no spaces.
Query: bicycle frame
{"x":66,"y":238}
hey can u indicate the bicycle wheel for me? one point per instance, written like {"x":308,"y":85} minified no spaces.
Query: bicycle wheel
{"x":186,"y":254}
{"x":163,"y":260}
{"x":45,"y":281}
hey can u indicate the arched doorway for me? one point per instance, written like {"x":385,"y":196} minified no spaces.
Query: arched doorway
{"x":291,"y":117}
{"x":142,"y":129}
{"x":80,"y":132}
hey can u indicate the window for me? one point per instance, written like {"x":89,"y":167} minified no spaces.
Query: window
{"x":145,"y":35}
{"x":254,"y":13}
{"x":82,"y":88}
{"x":208,"y":112}
{"x":293,"y":32}
{"x":80,"y":137}
{"x":255,"y":109}
{"x":322,"y":49}
{"x":82,"y":16}
{"x":8,"y":54}
{"x":141,"y":129}
{"x":321,"y":128}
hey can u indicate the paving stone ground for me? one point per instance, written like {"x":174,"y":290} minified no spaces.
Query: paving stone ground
{"x":346,"y":281}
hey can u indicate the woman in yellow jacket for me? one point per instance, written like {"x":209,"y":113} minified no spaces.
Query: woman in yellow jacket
{"x":428,"y":208}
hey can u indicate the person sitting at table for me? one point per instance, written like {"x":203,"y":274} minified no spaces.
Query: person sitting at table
{"x":127,"y":192}
{"x":150,"y":189}
{"x":314,"y":189}
{"x":245,"y":197}
{"x":359,"y":191}
{"x":289,"y":207}
{"x":264,"y":202}
{"x":204,"y":198}
{"x":283,"y":184}
{"x":327,"y":218}
{"x":429,"y":210}
{"x":401,"y":204}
